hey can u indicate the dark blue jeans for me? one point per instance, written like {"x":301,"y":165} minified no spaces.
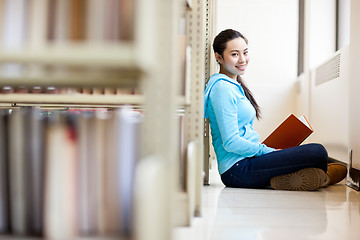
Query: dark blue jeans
{"x":256,"y":172}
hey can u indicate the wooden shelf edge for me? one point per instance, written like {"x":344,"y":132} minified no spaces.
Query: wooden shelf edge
{"x":17,"y":237}
{"x":182,"y":216}
{"x":126,"y":78}
{"x":21,"y":99}
{"x":110,"y":55}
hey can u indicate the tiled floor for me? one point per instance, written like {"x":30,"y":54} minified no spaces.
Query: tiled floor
{"x":229,"y":213}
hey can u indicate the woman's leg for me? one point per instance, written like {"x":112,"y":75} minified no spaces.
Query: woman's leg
{"x":256,"y":172}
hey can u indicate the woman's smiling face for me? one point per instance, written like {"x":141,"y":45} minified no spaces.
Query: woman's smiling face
{"x":235,"y":58}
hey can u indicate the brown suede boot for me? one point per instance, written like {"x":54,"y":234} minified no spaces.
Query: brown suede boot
{"x":336,"y":172}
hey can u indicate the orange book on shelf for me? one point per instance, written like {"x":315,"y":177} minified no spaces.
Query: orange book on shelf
{"x":77,"y":19}
{"x":290,"y":133}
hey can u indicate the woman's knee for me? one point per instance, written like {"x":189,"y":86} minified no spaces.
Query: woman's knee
{"x":319,"y":150}
{"x":318,"y":154}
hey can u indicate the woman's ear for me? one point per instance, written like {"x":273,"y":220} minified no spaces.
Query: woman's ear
{"x":218,"y":58}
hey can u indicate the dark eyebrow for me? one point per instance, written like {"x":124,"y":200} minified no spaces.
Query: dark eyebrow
{"x":235,"y":50}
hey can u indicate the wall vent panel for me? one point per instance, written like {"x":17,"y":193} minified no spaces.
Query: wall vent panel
{"x":329,"y":70}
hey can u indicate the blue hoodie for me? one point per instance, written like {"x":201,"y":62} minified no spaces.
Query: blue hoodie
{"x":231,"y":117}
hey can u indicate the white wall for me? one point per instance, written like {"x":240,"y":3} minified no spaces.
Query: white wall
{"x":354,"y":99}
{"x":344,"y":23}
{"x":271,"y":27}
{"x":320,"y":32}
{"x":318,"y":94}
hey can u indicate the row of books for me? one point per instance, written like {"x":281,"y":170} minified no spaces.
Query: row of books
{"x":37,"y":21}
{"x":68,"y":174}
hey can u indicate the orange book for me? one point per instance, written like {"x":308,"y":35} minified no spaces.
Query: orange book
{"x":290,"y":133}
{"x":77,"y":19}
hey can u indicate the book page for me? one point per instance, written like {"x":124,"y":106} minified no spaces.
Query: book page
{"x":303,"y":119}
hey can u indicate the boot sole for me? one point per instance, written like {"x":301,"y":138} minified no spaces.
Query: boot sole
{"x":307,"y":179}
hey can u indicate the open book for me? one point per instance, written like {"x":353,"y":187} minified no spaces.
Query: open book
{"x":290,"y":133}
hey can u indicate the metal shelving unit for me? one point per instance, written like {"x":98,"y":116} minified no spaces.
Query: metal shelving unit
{"x":194,"y":121}
{"x":209,"y":70}
{"x":149,"y":63}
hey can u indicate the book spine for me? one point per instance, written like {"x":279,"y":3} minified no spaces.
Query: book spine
{"x":128,"y":148}
{"x":17,"y":172}
{"x":95,"y":21}
{"x":126,"y":19}
{"x":60,"y":215}
{"x":35,"y":172}
{"x":62,"y":20}
{"x":4,"y":191}
{"x":113,"y":200}
{"x":85,"y":198}
{"x":51,"y":22}
{"x":1,"y":20}
{"x":37,"y":27}
{"x":13,"y":34}
{"x":77,"y":20}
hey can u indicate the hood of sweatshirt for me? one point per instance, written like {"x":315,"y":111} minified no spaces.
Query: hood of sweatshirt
{"x":214,"y":79}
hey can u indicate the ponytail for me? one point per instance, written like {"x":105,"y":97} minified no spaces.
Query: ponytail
{"x":249,"y":96}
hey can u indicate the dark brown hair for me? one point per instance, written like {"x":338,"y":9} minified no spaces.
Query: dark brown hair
{"x":219,"y":46}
